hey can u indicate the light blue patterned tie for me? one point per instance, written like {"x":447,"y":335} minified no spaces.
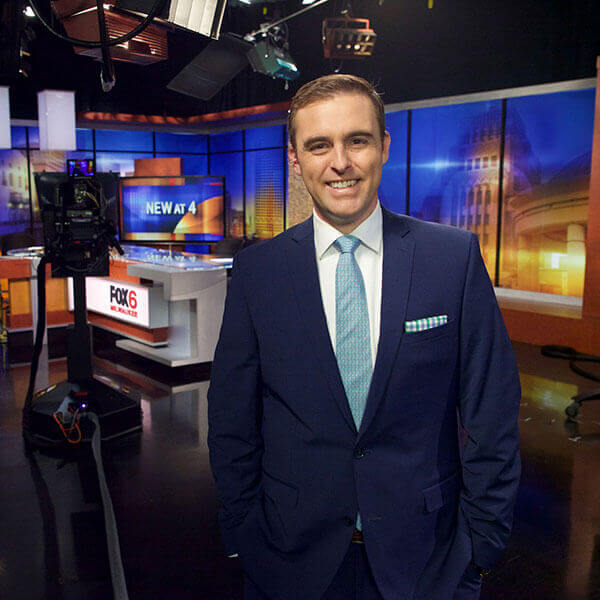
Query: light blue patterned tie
{"x":352,"y":333}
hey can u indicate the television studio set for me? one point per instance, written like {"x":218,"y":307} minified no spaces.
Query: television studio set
{"x":299,"y":300}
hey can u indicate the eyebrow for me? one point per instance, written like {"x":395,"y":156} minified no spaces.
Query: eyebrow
{"x":323,"y":138}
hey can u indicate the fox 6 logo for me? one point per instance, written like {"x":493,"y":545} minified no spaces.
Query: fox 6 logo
{"x":123,"y":297}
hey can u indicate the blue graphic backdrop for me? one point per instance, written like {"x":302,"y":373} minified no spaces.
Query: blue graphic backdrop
{"x":392,"y":191}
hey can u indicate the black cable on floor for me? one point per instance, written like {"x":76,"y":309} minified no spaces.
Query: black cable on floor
{"x":52,"y":572}
{"x":573,"y":357}
{"x":110,"y":524}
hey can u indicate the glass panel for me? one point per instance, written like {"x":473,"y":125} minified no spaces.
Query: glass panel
{"x":392,"y":190}
{"x":226,"y":142}
{"x":546,"y":192}
{"x":18,"y":137}
{"x":180,"y":142}
{"x":34,"y":137}
{"x":264,"y":193}
{"x":450,"y":176}
{"x":264,"y":137}
{"x":14,"y":191}
{"x":85,"y":139}
{"x":195,"y":165}
{"x":114,"y":139}
{"x":118,"y":162}
{"x":231,"y":166}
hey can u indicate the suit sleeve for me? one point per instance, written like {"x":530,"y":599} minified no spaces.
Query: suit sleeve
{"x":489,"y":402}
{"x":234,"y":413}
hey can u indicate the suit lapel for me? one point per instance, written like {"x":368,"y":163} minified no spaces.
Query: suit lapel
{"x":302,"y":263}
{"x":398,"y":250}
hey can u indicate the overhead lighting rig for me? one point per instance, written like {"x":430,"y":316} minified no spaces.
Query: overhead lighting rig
{"x":80,"y":20}
{"x":270,"y":54}
{"x":348,"y":38}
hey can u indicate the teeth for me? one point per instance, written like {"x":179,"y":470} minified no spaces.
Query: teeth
{"x":338,"y":185}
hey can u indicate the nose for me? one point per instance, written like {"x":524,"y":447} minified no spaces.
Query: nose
{"x":340,"y":160}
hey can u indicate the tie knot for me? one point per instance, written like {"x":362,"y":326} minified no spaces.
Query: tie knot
{"x":347,"y":243}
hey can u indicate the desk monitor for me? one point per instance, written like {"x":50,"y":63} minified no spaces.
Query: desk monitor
{"x":172,"y":209}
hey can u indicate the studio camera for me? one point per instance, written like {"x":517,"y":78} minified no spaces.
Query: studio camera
{"x":76,"y":216}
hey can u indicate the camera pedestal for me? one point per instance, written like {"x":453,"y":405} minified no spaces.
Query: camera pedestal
{"x":118,"y":408}
{"x":118,"y":411}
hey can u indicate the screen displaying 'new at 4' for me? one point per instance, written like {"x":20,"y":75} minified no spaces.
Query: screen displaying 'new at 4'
{"x":164,"y":209}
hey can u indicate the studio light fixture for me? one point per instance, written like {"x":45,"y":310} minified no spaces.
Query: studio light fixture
{"x":56,"y":116}
{"x":346,"y":37}
{"x":4,"y":118}
{"x":271,"y":60}
{"x":270,"y":54}
{"x":202,"y":16}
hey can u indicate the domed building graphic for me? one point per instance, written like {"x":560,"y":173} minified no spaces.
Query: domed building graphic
{"x":543,"y":222}
{"x":546,"y":231}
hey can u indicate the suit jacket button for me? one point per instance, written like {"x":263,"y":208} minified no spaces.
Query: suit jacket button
{"x":359,"y":452}
{"x":349,"y":521}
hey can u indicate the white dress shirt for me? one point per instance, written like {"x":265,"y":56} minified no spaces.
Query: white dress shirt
{"x":369,"y":256}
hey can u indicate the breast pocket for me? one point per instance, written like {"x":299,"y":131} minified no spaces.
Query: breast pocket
{"x":415,"y":337}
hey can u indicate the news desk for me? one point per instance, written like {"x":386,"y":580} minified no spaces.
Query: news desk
{"x":167,"y":306}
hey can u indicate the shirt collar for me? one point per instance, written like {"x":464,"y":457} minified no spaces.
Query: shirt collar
{"x":369,"y":232}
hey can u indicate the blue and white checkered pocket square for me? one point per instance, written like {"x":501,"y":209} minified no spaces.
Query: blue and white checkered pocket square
{"x":424,"y":324}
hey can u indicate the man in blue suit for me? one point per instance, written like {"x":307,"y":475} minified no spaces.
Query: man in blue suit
{"x":364,"y":392}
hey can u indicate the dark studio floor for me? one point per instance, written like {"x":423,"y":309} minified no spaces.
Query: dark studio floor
{"x":52,"y":544}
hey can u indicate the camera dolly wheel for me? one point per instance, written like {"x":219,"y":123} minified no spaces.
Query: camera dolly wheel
{"x":572,"y":410}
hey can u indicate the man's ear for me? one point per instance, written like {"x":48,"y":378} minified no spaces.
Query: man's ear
{"x":386,"y":146}
{"x":293,"y":160}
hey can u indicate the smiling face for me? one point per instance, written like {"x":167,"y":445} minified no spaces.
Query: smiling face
{"x":339,"y":154}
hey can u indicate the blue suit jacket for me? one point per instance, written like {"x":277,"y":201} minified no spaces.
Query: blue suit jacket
{"x":291,"y":469}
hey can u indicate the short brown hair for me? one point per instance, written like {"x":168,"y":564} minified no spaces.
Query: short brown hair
{"x":329,"y":86}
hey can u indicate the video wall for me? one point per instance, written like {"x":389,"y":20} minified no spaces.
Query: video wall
{"x":546,"y":192}
{"x":254,"y":164}
{"x":455,"y":171}
{"x":445,"y":166}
